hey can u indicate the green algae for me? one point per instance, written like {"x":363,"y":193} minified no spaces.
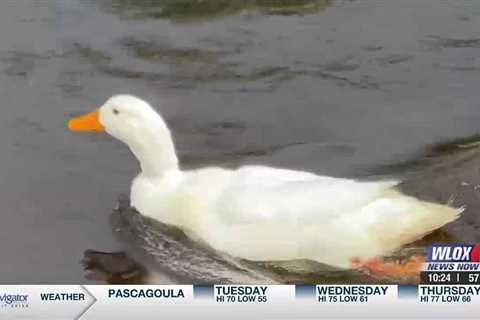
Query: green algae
{"x":188,"y":10}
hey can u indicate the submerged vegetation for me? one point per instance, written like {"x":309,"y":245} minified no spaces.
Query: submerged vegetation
{"x":158,"y":52}
{"x":202,"y":9}
{"x":186,"y":66}
{"x":454,"y":145}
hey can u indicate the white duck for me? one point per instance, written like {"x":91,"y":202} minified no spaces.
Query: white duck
{"x":260,"y":212}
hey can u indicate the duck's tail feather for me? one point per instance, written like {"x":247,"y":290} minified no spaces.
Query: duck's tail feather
{"x":409,"y":219}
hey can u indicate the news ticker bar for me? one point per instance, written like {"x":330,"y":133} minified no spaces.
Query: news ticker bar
{"x":240,"y":301}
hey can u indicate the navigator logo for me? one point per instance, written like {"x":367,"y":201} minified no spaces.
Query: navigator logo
{"x":13,"y":301}
{"x":454,"y":253}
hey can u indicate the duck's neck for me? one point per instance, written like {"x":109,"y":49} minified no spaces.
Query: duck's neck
{"x":156,"y":152}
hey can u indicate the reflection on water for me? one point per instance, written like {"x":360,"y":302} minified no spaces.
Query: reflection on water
{"x":188,"y":10}
{"x":159,"y":253}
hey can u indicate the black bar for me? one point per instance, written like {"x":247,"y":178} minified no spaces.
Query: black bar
{"x":450,"y":277}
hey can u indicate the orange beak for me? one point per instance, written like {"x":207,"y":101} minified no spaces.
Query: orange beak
{"x":87,"y":123}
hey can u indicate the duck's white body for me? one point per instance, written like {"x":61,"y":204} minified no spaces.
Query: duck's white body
{"x":264,"y":213}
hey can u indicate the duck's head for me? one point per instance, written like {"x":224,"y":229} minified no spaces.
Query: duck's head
{"x":125,"y":117}
{"x":133,"y":121}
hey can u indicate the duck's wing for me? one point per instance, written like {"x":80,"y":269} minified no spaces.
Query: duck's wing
{"x":258,"y":193}
{"x":324,"y":219}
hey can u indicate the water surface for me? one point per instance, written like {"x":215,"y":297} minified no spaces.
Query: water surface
{"x":335,"y":87}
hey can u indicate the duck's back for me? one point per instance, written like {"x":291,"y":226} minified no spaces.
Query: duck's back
{"x":255,"y":193}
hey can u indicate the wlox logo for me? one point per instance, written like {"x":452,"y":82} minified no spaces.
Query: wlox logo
{"x":454,"y":253}
{"x":13,"y":300}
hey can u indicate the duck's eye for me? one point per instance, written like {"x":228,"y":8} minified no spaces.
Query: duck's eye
{"x":115,"y":111}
